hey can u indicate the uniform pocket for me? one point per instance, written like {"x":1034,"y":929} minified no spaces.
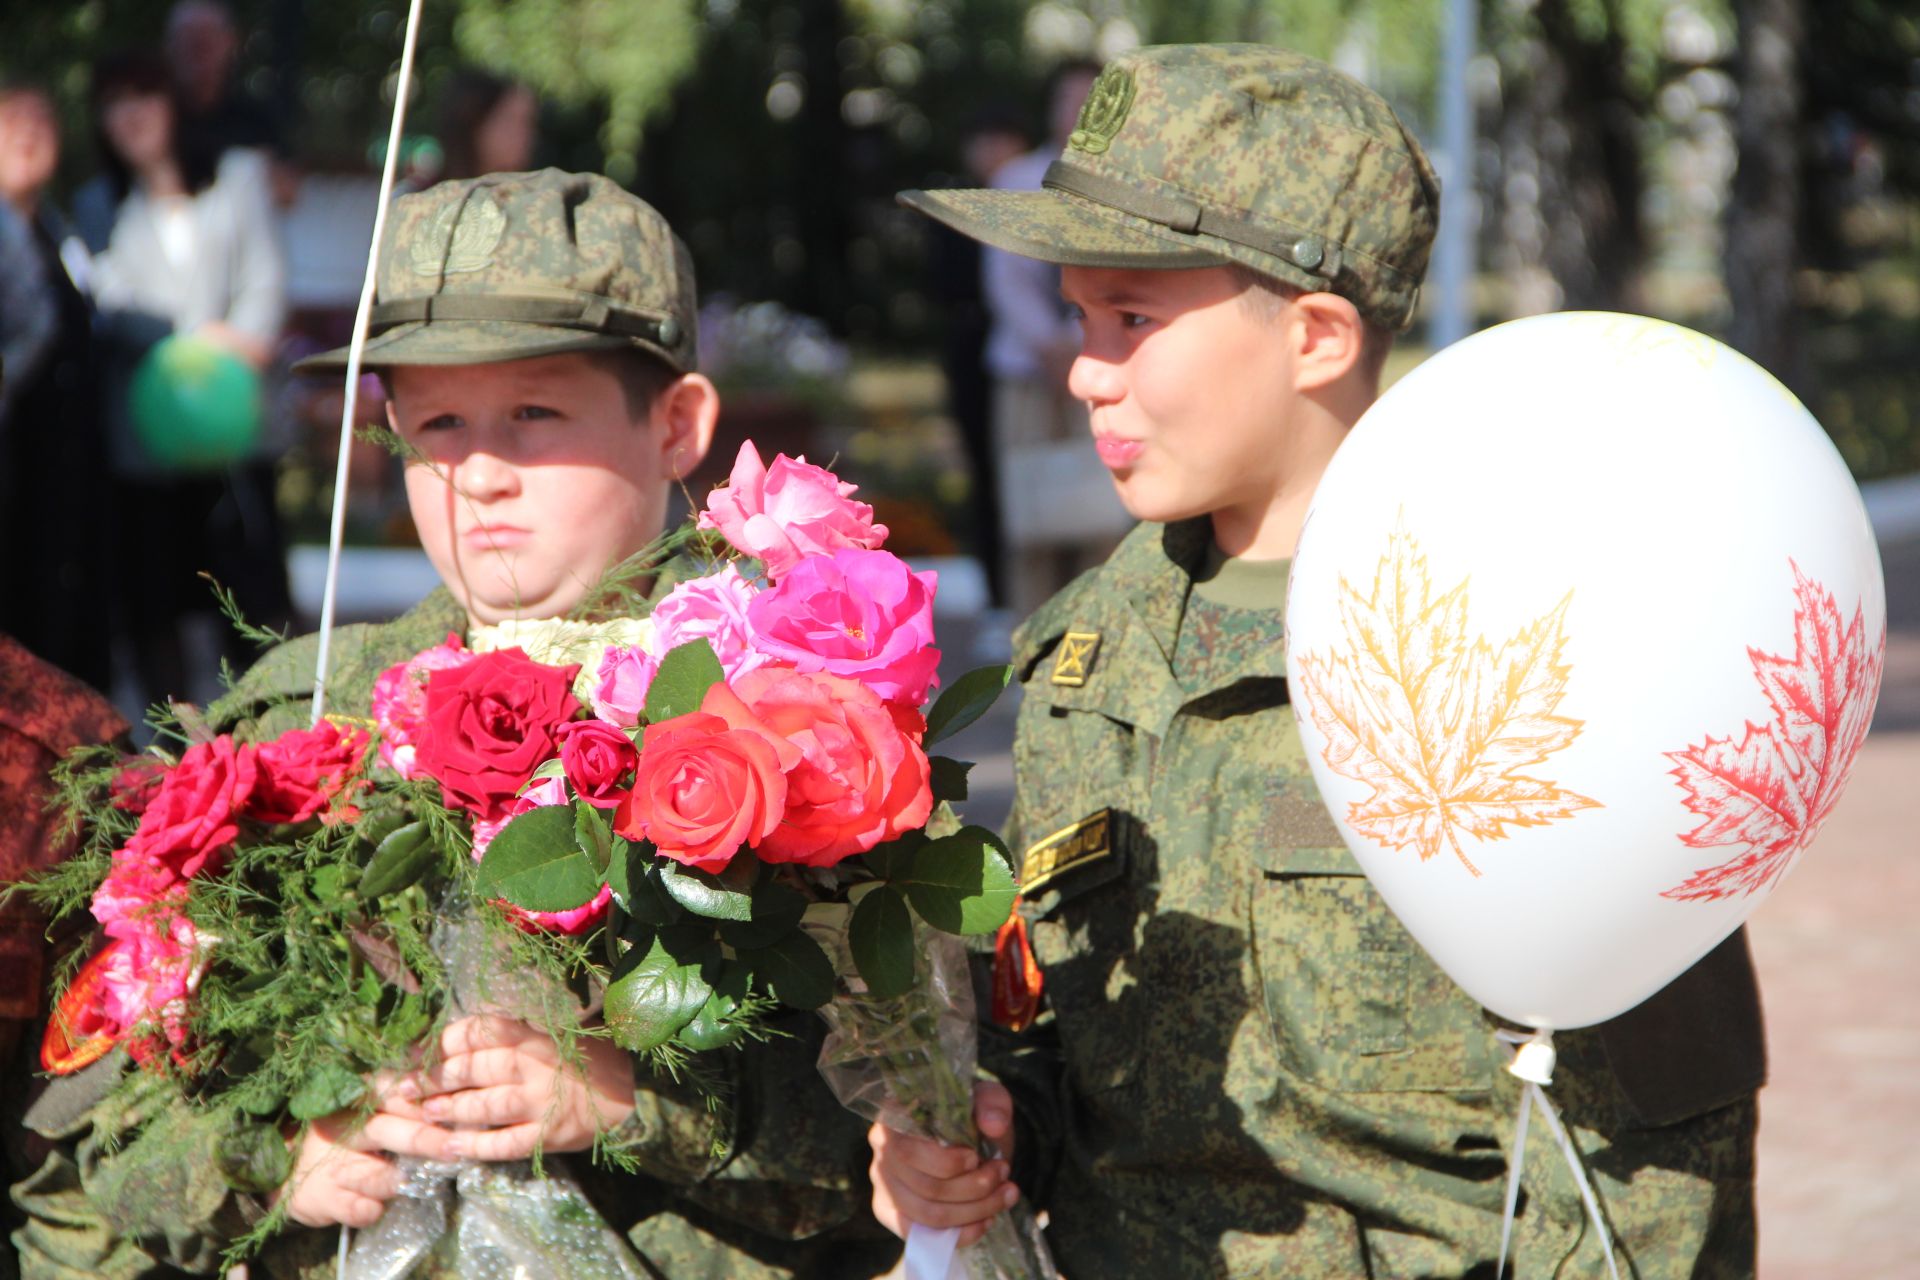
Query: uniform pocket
{"x":1353,"y":1002}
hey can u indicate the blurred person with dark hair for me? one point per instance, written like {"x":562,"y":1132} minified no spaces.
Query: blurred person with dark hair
{"x":1059,"y":515}
{"x":992,"y":136}
{"x":487,"y":125}
{"x":214,"y":113}
{"x":185,"y":243}
{"x":51,"y":467}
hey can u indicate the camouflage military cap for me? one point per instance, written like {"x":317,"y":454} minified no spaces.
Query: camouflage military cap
{"x":1202,"y":155}
{"x":513,"y":265}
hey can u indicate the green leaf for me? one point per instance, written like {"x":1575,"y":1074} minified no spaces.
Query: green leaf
{"x":653,"y":997}
{"x":961,"y":883}
{"x":714,"y":1027}
{"x":536,"y":863}
{"x":328,"y":1088}
{"x":776,"y":911}
{"x":950,"y":778}
{"x":796,"y":969}
{"x":254,"y":1158}
{"x":594,"y":835}
{"x":406,"y":854}
{"x":964,"y":702}
{"x":880,"y":935}
{"x":554,"y":768}
{"x":685,"y":675}
{"x":727,"y":895}
{"x":895,"y":855}
{"x":620,"y":870}
{"x":645,"y":899}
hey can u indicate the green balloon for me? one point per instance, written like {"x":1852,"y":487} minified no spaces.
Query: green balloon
{"x":195,"y":404}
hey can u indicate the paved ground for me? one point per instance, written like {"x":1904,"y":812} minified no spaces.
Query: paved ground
{"x":1838,"y":950}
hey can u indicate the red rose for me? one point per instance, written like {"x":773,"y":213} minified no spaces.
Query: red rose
{"x":303,"y":770}
{"x":705,"y":788}
{"x":195,"y":814}
{"x":133,"y":788}
{"x":597,"y":757}
{"x":490,"y":724}
{"x":861,"y":779}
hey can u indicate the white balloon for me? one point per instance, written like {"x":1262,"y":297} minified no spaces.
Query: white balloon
{"x":1584,"y":630}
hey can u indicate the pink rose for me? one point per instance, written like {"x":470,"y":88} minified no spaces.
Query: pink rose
{"x":861,"y":778}
{"x":545,"y":792}
{"x":131,"y":887}
{"x":598,"y":757}
{"x":861,"y":614}
{"x":782,"y":513}
{"x":400,"y":702}
{"x":714,"y":609}
{"x":626,"y":672}
{"x":150,"y":973}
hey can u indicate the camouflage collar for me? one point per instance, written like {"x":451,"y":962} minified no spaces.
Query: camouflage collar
{"x":1154,"y":569}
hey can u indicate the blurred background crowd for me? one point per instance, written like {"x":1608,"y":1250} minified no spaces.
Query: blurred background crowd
{"x":208,"y":171}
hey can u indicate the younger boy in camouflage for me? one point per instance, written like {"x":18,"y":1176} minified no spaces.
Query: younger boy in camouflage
{"x":537,"y":336}
{"x":1245,"y":1066}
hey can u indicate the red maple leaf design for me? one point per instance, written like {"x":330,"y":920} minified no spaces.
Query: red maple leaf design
{"x":1768,"y":794}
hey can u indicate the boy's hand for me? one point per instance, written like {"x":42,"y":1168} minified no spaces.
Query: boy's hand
{"x":338,"y":1178}
{"x":504,"y":1088}
{"x":920,"y":1180}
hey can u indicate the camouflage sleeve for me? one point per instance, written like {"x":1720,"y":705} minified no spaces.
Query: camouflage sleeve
{"x":128,"y":1190}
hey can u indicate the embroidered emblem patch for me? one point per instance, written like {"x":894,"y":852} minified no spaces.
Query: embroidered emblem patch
{"x":1104,"y":111}
{"x":460,"y":238}
{"x":1073,"y":660}
{"x":1088,"y":840}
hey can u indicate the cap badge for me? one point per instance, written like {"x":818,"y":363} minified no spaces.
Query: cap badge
{"x":459,"y":238}
{"x":1104,"y":111}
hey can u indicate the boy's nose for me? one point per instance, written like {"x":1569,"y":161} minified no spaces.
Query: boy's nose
{"x":485,"y":477}
{"x":1093,"y":381}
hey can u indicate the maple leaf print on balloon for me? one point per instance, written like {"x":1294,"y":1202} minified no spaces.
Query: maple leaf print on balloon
{"x":1437,"y":724}
{"x":1767,"y":794}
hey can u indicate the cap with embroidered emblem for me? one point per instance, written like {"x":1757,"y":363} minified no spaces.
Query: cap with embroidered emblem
{"x":1204,"y":155}
{"x":514,"y":265}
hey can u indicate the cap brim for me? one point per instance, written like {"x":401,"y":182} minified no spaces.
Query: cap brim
{"x":444,"y":342}
{"x":1060,"y":228}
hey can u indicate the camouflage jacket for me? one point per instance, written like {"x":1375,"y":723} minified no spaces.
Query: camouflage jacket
{"x":788,"y":1198}
{"x":1246,"y":1066}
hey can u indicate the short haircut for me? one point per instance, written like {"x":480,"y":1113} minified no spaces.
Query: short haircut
{"x":644,"y":377}
{"x":1264,"y":297}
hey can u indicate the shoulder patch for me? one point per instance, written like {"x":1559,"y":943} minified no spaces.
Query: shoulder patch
{"x":1088,"y":840}
{"x":1073,"y":660}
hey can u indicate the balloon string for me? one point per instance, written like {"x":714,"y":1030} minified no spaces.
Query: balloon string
{"x":355,"y":349}
{"x":1533,"y":1063}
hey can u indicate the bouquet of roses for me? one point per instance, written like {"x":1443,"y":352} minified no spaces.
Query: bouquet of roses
{"x":752,"y":811}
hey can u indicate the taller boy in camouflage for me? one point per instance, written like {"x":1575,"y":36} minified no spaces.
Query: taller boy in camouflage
{"x":536,"y":335}
{"x":1245,"y":1066}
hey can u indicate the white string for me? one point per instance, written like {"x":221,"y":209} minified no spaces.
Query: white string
{"x":1533,"y":1063}
{"x":349,"y":410}
{"x":355,"y":349}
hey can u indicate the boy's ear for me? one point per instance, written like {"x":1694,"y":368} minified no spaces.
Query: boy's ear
{"x":686,"y":414}
{"x":1329,"y":338}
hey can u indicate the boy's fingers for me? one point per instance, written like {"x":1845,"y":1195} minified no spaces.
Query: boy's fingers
{"x":481,"y":1031}
{"x":515,"y":1142}
{"x":993,"y":1113}
{"x":367,"y":1176}
{"x":359,"y":1211}
{"x":977,"y":1187}
{"x":499,"y":1105}
{"x":475,"y":1069}
{"x":934,"y":1159}
{"x":405,"y":1137}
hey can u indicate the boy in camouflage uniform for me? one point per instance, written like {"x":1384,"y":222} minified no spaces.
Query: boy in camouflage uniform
{"x":537,"y":335}
{"x":1246,"y":1067}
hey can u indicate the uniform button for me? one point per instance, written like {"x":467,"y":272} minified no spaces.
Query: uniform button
{"x":1309,"y":252}
{"x":669,"y":332}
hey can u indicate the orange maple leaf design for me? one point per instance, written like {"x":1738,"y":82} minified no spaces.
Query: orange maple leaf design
{"x":1440,"y":726}
{"x":1767,"y":795}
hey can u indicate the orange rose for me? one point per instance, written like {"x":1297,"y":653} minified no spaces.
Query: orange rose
{"x":860,"y":778}
{"x":704,"y":788}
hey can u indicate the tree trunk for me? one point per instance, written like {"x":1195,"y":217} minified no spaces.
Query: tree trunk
{"x":1762,"y":218}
